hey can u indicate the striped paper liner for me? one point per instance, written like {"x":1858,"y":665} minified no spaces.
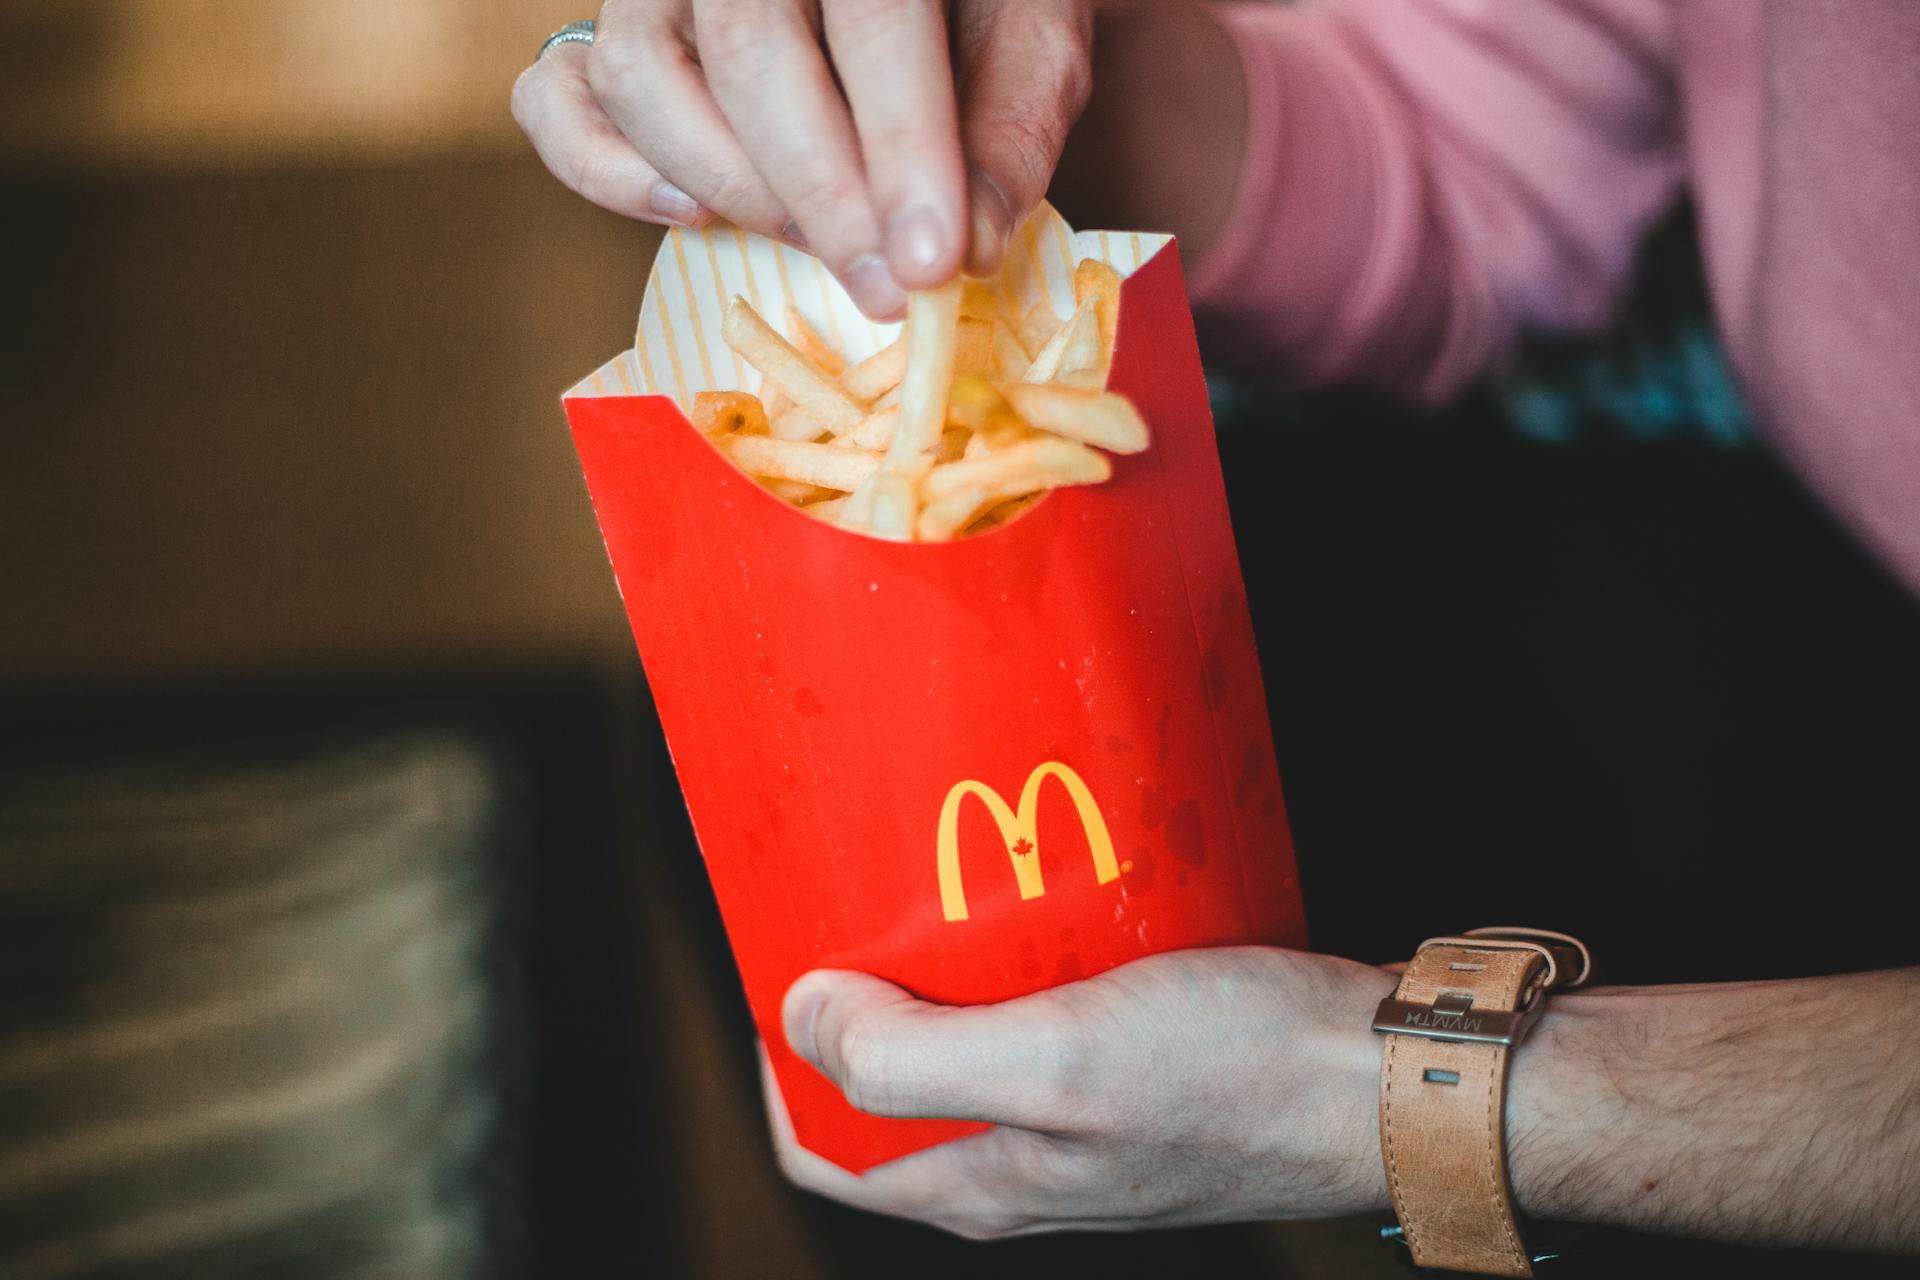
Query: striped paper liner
{"x":678,"y":349}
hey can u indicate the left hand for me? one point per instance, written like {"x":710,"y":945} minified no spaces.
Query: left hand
{"x":1191,"y":1087}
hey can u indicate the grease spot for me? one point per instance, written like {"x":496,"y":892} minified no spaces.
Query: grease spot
{"x":1140,"y":871}
{"x":1118,"y":745}
{"x":1153,"y":806}
{"x":1066,"y":935}
{"x":1026,"y":948}
{"x":1186,"y":838}
{"x":1069,"y":969}
{"x":808,"y":703}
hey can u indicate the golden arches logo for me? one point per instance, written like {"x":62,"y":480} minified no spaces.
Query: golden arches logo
{"x":1019,"y":828}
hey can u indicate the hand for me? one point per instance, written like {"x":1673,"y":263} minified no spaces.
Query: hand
{"x":1198,"y":1086}
{"x":927,"y":152}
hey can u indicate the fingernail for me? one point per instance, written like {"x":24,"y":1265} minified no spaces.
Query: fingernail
{"x":801,"y":1015}
{"x":675,"y":205}
{"x":992,"y":223}
{"x":913,"y":238}
{"x":873,"y":289}
{"x":791,"y":234}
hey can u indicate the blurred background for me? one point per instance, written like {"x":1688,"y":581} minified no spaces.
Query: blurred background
{"x":349,"y":922}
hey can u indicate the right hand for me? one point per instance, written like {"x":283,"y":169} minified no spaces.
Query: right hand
{"x":927,"y":152}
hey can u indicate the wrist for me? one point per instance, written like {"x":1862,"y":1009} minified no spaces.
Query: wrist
{"x":1570,"y":1102}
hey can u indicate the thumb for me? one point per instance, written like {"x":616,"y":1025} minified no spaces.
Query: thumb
{"x":893,"y":1055}
{"x":1025,"y":69}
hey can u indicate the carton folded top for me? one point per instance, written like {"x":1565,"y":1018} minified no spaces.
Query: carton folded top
{"x":678,"y":349}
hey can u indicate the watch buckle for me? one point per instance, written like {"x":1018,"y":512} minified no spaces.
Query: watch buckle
{"x":1452,"y":1016}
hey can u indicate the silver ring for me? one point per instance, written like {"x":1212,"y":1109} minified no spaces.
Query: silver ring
{"x":573,"y":33}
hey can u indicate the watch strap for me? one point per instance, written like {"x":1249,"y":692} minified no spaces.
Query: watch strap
{"x":1451,"y":1025}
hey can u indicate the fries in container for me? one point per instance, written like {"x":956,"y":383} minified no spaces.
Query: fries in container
{"x":944,"y":624}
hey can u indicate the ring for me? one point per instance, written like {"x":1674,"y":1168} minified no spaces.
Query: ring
{"x":572,"y":33}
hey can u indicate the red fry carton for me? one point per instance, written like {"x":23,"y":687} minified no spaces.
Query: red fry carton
{"x":977,"y":768}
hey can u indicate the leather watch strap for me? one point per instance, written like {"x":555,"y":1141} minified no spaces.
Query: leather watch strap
{"x":1450,"y":1027}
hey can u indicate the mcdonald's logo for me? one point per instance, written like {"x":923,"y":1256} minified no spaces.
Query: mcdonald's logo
{"x":1019,"y":829}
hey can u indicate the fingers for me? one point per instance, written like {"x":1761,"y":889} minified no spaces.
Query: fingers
{"x":893,"y":1055}
{"x":973,"y":1187}
{"x":645,"y":78}
{"x":581,"y":146}
{"x":896,"y":70}
{"x":763,"y":61}
{"x":1025,"y":72}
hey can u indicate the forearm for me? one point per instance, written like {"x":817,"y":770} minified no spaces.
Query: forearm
{"x":1165,"y":131}
{"x":1775,"y":1112}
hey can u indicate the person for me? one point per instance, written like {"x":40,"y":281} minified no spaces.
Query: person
{"x":1378,"y":191}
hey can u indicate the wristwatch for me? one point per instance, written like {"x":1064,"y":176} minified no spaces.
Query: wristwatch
{"x":1462,"y":1006}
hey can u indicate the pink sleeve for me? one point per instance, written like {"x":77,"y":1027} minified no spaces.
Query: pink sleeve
{"x":1425,"y":178}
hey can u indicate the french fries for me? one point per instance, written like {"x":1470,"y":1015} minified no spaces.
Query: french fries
{"x":1074,"y":346}
{"x":956,"y":427}
{"x":1091,"y":417}
{"x":878,"y":374}
{"x":809,"y":463}
{"x":817,"y":349}
{"x":823,"y":398}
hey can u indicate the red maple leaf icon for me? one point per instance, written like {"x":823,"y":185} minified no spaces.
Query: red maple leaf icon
{"x":1023,"y":846}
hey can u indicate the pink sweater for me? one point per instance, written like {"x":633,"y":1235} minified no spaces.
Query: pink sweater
{"x":1429,"y":177}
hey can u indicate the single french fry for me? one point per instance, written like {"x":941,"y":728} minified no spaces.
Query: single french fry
{"x":874,"y":432}
{"x":1040,"y":463}
{"x":795,"y":423}
{"x":813,"y":346}
{"x":776,"y":401}
{"x":1091,"y":417}
{"x":1038,"y":326}
{"x":1095,"y":280}
{"x":878,"y":502}
{"x":829,"y":510}
{"x":892,"y":506}
{"x":795,"y":492}
{"x":1080,"y":335}
{"x":891,"y":400}
{"x":855,"y":510}
{"x":939,"y":521}
{"x":760,"y":346}
{"x":878,"y":374}
{"x":819,"y":464}
{"x":933,"y":319}
{"x":721,"y":412}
